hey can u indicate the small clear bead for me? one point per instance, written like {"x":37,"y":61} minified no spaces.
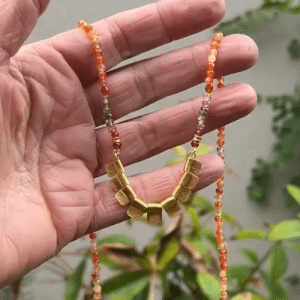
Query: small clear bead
{"x":201,"y":119}
{"x":101,"y":68}
{"x":213,"y":52}
{"x":218,"y":197}
{"x":207,"y":97}
{"x":220,"y":149}
{"x":106,"y":100}
{"x":212,"y":58}
{"x":204,"y":111}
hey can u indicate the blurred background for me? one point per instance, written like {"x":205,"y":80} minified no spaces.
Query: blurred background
{"x":255,"y":193}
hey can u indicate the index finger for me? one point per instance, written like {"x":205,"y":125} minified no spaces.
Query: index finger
{"x":132,"y":32}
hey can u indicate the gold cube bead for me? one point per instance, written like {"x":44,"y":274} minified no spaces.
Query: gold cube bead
{"x":136,"y":209}
{"x":189,"y":180}
{"x":154,"y":214}
{"x":172,"y":207}
{"x":118,"y":182}
{"x":125,"y":195}
{"x":114,"y":168}
{"x":182,"y":193}
{"x":192,"y":166}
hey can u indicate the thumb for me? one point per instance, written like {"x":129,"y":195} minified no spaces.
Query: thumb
{"x":17,"y":20}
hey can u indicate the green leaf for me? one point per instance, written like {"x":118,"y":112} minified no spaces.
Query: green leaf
{"x":248,"y":23}
{"x":277,"y":262}
{"x":175,"y":161}
{"x":144,"y":294}
{"x":295,"y":9}
{"x":277,"y":292}
{"x":168,"y":254}
{"x":294,"y":49}
{"x":250,"y":234}
{"x":204,"y":149}
{"x":194,"y":218}
{"x":238,"y":272}
{"x":294,"y":191}
{"x":74,"y":282}
{"x":126,"y":285}
{"x":285,"y":230}
{"x":180,"y":150}
{"x":229,"y":219}
{"x":248,"y":296}
{"x":251,"y":255}
{"x":117,"y":239}
{"x":293,"y":245}
{"x":276,"y":5}
{"x":204,"y":204}
{"x":210,"y":285}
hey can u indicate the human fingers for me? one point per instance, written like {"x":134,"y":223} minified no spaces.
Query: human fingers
{"x":18,"y":18}
{"x":154,"y":133}
{"x":109,"y":212}
{"x":132,"y":32}
{"x":143,"y":83}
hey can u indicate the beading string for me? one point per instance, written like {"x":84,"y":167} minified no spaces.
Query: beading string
{"x":120,"y":184}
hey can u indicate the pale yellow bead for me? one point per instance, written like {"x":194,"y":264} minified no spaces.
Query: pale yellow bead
{"x":212,"y":58}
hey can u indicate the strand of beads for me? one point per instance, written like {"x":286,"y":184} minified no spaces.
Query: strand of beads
{"x":96,"y":268}
{"x":107,"y":115}
{"x":98,"y":56}
{"x":210,"y":72}
{"x":218,"y":210}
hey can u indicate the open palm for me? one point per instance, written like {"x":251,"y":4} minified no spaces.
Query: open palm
{"x":50,"y":104}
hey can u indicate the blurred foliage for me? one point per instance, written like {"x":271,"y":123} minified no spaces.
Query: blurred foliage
{"x":286,"y":122}
{"x":182,"y":260}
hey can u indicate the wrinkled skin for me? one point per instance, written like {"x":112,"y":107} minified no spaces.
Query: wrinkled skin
{"x":50,"y":153}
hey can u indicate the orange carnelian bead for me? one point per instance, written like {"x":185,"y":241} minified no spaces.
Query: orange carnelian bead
{"x":218,"y":219}
{"x":218,"y":205}
{"x":194,"y":144}
{"x":117,"y":146}
{"x":93,"y":236}
{"x":223,"y":266}
{"x":219,"y":191}
{"x":220,"y":85}
{"x":99,"y":60}
{"x":102,"y":76}
{"x":221,"y":135}
{"x":215,"y":45}
{"x":220,"y":183}
{"x":209,"y":80}
{"x":210,"y":74}
{"x":104,"y":90}
{"x":220,"y":142}
{"x":209,"y":88}
{"x":115,"y":134}
{"x":222,"y":129}
{"x":210,"y":67}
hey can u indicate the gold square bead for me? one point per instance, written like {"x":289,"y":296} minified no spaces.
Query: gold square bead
{"x":189,"y":180}
{"x":118,"y":182}
{"x":192,"y":166}
{"x":182,"y":193}
{"x":136,"y":209}
{"x":125,"y":195}
{"x":154,"y":214}
{"x":172,"y":207}
{"x":114,"y":168}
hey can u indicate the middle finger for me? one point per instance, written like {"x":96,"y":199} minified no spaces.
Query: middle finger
{"x":142,"y":83}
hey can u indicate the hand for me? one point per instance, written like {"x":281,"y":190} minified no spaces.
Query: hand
{"x":50,"y":152}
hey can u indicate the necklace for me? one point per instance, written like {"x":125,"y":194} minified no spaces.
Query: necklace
{"x":120,"y":184}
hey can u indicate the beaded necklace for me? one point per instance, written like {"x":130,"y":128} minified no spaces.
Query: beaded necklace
{"x":120,"y":184}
